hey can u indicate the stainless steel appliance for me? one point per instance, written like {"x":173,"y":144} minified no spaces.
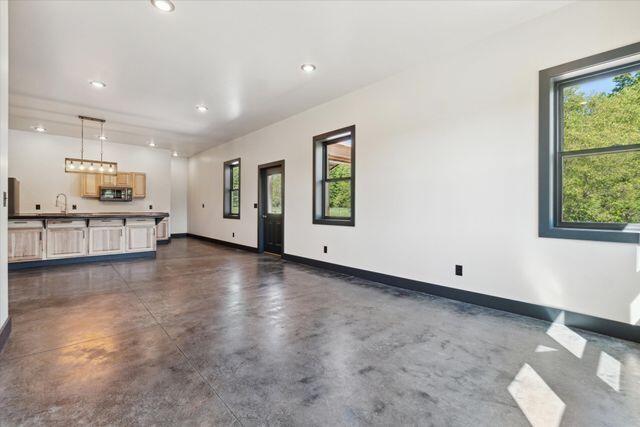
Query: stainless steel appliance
{"x":116,"y":194}
{"x":14,"y":196}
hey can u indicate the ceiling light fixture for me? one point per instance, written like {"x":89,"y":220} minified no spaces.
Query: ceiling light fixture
{"x":175,"y":154}
{"x":39,"y":128}
{"x":163,"y":5}
{"x":308,"y":68}
{"x":81,"y":164}
{"x":152,"y":144}
{"x":202,"y":108}
{"x":98,"y":84}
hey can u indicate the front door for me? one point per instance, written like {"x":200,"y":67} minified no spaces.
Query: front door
{"x":272,"y":208}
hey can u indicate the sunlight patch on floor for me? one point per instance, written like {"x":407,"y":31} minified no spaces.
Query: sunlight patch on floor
{"x":538,"y":402}
{"x":573,"y":342}
{"x":545,"y":349}
{"x":634,"y":310}
{"x":609,"y":370}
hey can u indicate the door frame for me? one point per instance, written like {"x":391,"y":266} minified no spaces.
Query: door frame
{"x":279,"y":163}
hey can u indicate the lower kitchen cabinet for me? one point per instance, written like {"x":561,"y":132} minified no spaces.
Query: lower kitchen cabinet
{"x":25,"y":244}
{"x":106,"y":240}
{"x":162,"y":228}
{"x":140,"y":235}
{"x":66,"y":239}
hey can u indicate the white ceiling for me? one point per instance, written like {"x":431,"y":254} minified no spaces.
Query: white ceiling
{"x":241,"y":59}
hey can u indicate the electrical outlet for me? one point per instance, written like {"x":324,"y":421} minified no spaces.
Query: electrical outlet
{"x":233,"y":234}
{"x":150,"y":207}
{"x":255,"y":206}
{"x":38,"y":206}
{"x":458,"y":270}
{"x":325,"y":249}
{"x":74,"y":207}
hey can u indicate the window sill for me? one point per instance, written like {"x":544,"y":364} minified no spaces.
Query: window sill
{"x":231,"y":216}
{"x":630,"y":235}
{"x":343,"y":222}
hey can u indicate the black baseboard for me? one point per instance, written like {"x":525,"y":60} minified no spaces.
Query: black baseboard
{"x":576,"y":320}
{"x":80,"y":260}
{"x":178,"y":235}
{"x":224,"y":243}
{"x":163,"y":242}
{"x":5,"y":331}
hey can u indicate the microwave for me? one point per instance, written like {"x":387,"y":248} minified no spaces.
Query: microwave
{"x":116,"y":194}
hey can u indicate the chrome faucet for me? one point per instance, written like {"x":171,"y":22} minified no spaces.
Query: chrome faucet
{"x":64,"y":208}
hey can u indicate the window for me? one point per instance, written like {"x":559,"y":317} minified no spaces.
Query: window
{"x":334,"y":177}
{"x":590,"y":148}
{"x":274,"y":193}
{"x":232,"y":189}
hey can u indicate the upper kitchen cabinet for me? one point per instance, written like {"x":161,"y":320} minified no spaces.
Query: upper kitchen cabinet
{"x":109,"y":180}
{"x":124,"y":179}
{"x":139,"y":184}
{"x":91,"y":183}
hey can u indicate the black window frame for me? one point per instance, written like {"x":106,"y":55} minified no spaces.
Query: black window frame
{"x":227,"y":180}
{"x":551,"y":153}
{"x":321,"y":180}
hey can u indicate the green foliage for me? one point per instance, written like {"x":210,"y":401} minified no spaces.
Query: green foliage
{"x":605,"y":187}
{"x":275,"y":193}
{"x":340,"y":191}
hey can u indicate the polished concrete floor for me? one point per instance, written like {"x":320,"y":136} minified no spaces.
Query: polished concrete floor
{"x":209,"y":335}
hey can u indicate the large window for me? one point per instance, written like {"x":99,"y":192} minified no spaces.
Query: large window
{"x":590,"y":148}
{"x":334,"y":177}
{"x":232,"y":189}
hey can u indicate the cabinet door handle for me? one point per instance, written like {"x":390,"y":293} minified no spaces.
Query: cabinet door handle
{"x":40,"y":236}
{"x":83,"y":234}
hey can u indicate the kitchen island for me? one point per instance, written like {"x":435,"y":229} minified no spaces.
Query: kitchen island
{"x":41,"y":239}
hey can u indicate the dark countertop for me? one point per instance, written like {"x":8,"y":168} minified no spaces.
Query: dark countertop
{"x":89,"y":215}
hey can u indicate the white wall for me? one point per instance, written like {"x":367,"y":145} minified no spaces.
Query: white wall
{"x":37,"y":160}
{"x":4,"y":127}
{"x":179,"y":188}
{"x":460,"y":136}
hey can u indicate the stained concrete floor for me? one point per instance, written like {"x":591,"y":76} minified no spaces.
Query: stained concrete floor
{"x":209,"y":335}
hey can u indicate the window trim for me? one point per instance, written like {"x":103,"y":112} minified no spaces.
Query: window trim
{"x":226,"y":187}
{"x":549,"y":166}
{"x":320,"y":180}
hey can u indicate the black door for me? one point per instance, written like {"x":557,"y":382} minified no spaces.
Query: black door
{"x":272,"y":208}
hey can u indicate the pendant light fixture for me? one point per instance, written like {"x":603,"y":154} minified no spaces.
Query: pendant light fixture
{"x":83,"y":165}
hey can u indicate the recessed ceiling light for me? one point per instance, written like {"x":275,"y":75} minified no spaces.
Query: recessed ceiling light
{"x":308,"y":68}
{"x":202,"y":108}
{"x":98,"y":84}
{"x":163,"y":5}
{"x":175,"y":154}
{"x":38,"y":128}
{"x":152,"y":144}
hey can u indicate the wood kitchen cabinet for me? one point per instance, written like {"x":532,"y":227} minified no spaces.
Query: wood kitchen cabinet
{"x":25,"y":244}
{"x":66,"y":238}
{"x":108,"y":180}
{"x":106,"y":236}
{"x":91,"y":183}
{"x":124,"y":179}
{"x":162,"y":230}
{"x":140,"y":235}
{"x":139,"y":181}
